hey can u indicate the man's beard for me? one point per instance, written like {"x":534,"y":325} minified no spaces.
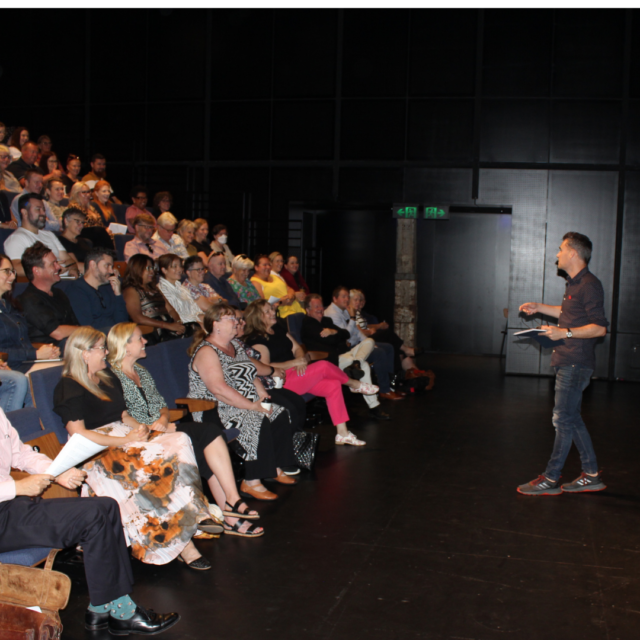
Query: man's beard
{"x":100,"y":174}
{"x":40,"y":223}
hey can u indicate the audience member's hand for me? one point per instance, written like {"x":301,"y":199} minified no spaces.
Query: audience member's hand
{"x":260,"y":409}
{"x":47,"y":352}
{"x":171,"y":427}
{"x":72,"y":478}
{"x":369,"y":332}
{"x":325,"y":333}
{"x":33,"y":485}
{"x":114,"y":281}
{"x":8,"y":225}
{"x":301,"y":364}
{"x":178,"y":327}
{"x":279,"y":373}
{"x":140,"y":434}
{"x":286,"y":301}
{"x":4,"y":366}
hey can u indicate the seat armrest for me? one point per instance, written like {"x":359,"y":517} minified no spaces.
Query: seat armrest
{"x":196,"y":404}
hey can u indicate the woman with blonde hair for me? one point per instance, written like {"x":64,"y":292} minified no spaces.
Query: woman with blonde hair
{"x":94,"y":230}
{"x":153,"y":476}
{"x":200,"y":238}
{"x":145,"y":404}
{"x":186,"y":229}
{"x":244,"y":288}
{"x":8,"y":181}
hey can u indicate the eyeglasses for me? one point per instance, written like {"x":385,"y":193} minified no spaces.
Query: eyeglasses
{"x":9,"y":270}
{"x":150,"y":268}
{"x":85,"y":193}
{"x":76,"y":220}
{"x":102,"y":348}
{"x":200,"y":269}
{"x":231,"y":318}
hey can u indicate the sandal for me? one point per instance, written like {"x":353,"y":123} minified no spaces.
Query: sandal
{"x":234,"y":511}
{"x":209,"y":526}
{"x":366,"y":389}
{"x":250,"y":532}
{"x":350,"y":439}
{"x":199,"y":564}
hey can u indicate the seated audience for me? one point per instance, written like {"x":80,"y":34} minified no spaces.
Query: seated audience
{"x":219,"y":243}
{"x":293,"y":278}
{"x":33,"y":183}
{"x":94,"y":524}
{"x":217,"y":269}
{"x":80,"y":198}
{"x":19,"y":138}
{"x":138,"y":206}
{"x":44,"y":144}
{"x":145,"y":303}
{"x":269,"y":286}
{"x":221,"y":371}
{"x":99,"y":172}
{"x":26,"y":162}
{"x":172,"y":242}
{"x":55,"y":197}
{"x":49,"y":166}
{"x":382,"y":354}
{"x":8,"y":181}
{"x":244,"y":288}
{"x":186,"y":229}
{"x":72,"y":225}
{"x":73,"y":171}
{"x":96,"y":299}
{"x":144,"y":225}
{"x":47,"y":309}
{"x":277,"y":264}
{"x":200,"y":239}
{"x":33,"y":219}
{"x":101,"y":204}
{"x":90,"y":401}
{"x":162,"y":202}
{"x":7,"y":219}
{"x":279,"y":349}
{"x":170,"y":271}
{"x":203,"y":295}
{"x":145,"y":404}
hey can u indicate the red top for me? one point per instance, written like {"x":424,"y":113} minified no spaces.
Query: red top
{"x":296,"y":282}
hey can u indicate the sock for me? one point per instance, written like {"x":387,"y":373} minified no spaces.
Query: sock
{"x":123,"y":607}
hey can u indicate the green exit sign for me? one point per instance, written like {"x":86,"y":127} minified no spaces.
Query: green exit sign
{"x":407,"y":211}
{"x":436,"y":213}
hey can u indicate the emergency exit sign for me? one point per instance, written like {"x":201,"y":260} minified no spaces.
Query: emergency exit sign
{"x":416,"y":211}
{"x":436,"y":213}
{"x":407,"y":211}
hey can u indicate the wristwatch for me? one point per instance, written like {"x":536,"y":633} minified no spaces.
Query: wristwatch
{"x":569,"y":334}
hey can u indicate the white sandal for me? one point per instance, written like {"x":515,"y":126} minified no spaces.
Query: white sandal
{"x":366,"y":389}
{"x":349,"y":439}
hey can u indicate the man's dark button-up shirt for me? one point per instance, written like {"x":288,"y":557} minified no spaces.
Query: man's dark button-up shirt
{"x":45,"y":313}
{"x":583,"y":304}
{"x":335,"y":344}
{"x":20,"y":167}
{"x":99,"y":308}
{"x":223,"y":288}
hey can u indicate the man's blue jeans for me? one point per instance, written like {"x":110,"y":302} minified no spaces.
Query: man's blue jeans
{"x":382,"y":360}
{"x":571,"y":381}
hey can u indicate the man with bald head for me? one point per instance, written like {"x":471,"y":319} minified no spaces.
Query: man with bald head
{"x":34,"y":183}
{"x":25,"y":162}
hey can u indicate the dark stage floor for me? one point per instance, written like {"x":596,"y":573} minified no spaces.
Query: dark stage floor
{"x":421,"y":534}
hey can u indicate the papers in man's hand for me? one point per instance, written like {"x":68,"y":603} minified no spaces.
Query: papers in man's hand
{"x":118,"y":229}
{"x":77,"y":450}
{"x":529,"y":332}
{"x":273,"y":299}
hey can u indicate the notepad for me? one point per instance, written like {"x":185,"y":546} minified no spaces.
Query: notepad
{"x":118,"y":229}
{"x":77,"y":450}
{"x":529,"y":332}
{"x":273,"y":299}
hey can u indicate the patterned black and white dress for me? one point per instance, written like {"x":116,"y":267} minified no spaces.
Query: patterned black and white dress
{"x":239,"y":373}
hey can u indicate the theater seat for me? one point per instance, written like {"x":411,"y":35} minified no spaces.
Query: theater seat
{"x":26,"y":557}
{"x":43,"y":383}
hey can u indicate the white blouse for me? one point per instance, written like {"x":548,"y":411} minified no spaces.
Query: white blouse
{"x":180,"y":299}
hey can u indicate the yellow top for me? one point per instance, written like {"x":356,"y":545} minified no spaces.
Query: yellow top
{"x":278,"y":289}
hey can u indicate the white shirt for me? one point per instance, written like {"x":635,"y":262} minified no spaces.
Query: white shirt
{"x":21,"y":239}
{"x":175,"y":245}
{"x":53,"y":224}
{"x":180,"y":299}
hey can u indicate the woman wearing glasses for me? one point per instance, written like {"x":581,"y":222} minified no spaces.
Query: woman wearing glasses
{"x":73,"y":221}
{"x":202,"y":293}
{"x":15,"y":342}
{"x":8,"y":181}
{"x":80,"y":198}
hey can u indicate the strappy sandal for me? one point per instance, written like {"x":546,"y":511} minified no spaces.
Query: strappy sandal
{"x":249,"y":533}
{"x":365,"y":389}
{"x":236,"y":513}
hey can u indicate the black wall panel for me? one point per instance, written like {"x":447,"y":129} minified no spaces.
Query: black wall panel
{"x":585,"y":132}
{"x":515,"y":131}
{"x":588,"y":58}
{"x":303,"y":130}
{"x":439,"y":186}
{"x":373,"y":129}
{"x":123,"y":139}
{"x":305,"y":53}
{"x":633,"y":134}
{"x":240,"y":130}
{"x":629,"y":307}
{"x":189,"y":146}
{"x":517,"y":52}
{"x":371,"y":185}
{"x":440,"y":130}
{"x":443,"y":49}
{"x":375,"y":52}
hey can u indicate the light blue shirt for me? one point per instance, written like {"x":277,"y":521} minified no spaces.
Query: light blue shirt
{"x":342,"y":319}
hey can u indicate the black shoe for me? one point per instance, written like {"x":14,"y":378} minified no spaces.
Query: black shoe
{"x":209,"y":526}
{"x":290,"y":471}
{"x":354,"y":370}
{"x":143,"y":622}
{"x":199,"y":564}
{"x":94,"y":621}
{"x":379,"y":414}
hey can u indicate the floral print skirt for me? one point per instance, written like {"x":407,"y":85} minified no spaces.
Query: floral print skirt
{"x":157,"y":485}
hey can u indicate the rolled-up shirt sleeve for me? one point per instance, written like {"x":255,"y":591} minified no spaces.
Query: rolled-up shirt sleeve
{"x":594,"y":303}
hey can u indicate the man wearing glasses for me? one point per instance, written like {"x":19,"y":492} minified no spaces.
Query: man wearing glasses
{"x":144,"y":226}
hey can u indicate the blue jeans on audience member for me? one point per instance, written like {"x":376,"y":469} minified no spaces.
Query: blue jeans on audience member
{"x":571,"y":381}
{"x":14,"y":391}
{"x":382,"y":360}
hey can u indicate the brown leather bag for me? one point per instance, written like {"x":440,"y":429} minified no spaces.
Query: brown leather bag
{"x":22,"y":587}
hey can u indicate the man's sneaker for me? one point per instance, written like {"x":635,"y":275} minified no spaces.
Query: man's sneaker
{"x":541,"y":486}
{"x":585,"y":483}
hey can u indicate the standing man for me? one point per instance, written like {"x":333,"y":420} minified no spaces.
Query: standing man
{"x":581,"y":321}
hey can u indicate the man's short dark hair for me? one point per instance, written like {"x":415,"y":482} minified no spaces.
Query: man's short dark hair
{"x":190,"y":261}
{"x":97,"y":156}
{"x":138,"y":189}
{"x":580,"y":243}
{"x":32,"y":172}
{"x":34,"y":257}
{"x":309,"y":298}
{"x":23,"y":200}
{"x":144,"y":218}
{"x":96,"y":254}
{"x":337,"y":290}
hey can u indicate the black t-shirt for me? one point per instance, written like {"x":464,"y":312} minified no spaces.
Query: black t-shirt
{"x":279,"y":345}
{"x":71,"y":401}
{"x":202,"y":246}
{"x":79,"y":248}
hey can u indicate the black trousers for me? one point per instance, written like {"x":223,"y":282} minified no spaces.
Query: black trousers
{"x":294,"y":403}
{"x":391,"y":337}
{"x":202,"y":434}
{"x":275,"y":449}
{"x":93,"y":523}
